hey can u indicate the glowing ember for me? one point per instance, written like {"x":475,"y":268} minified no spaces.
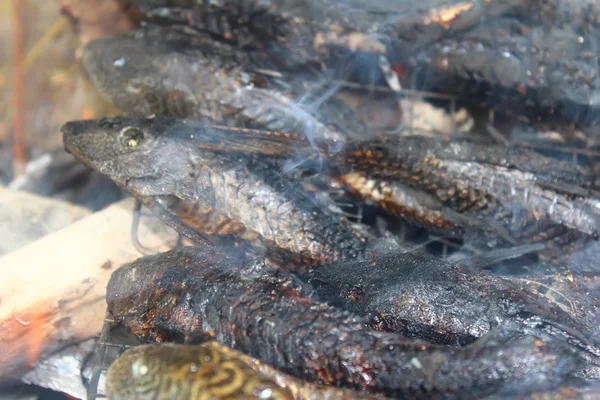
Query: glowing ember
{"x":35,"y":337}
{"x":445,"y":16}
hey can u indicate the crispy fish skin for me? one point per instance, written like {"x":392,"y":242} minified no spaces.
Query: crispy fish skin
{"x":414,"y":206}
{"x":193,"y":292}
{"x":166,"y":71}
{"x":535,"y":199}
{"x":209,"y":370}
{"x":201,"y":192}
{"x":419,"y":296}
{"x":534,"y":54}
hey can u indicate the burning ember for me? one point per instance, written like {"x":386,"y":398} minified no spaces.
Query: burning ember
{"x":348,"y":200}
{"x":446,"y":15}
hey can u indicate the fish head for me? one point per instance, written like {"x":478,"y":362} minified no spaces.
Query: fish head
{"x":129,"y":148}
{"x":124,"y":71}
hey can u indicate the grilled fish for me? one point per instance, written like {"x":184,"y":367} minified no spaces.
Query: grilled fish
{"x":523,"y":197}
{"x":513,"y":196}
{"x":207,"y":371}
{"x":533,"y":55}
{"x":220,"y":196}
{"x":187,"y":294}
{"x":420,"y":296}
{"x":165,"y":71}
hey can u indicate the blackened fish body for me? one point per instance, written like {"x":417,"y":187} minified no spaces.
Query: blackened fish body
{"x":188,"y":293}
{"x":201,"y":192}
{"x":521,"y":196}
{"x":169,"y":72}
{"x":420,"y":296}
{"x":531,"y":56}
{"x":460,"y":189}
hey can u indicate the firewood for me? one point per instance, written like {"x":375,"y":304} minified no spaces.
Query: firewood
{"x":52,"y":291}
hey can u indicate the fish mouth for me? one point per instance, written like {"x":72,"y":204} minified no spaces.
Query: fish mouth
{"x":69,"y":131}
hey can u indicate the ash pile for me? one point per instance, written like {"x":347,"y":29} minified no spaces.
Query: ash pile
{"x":386,"y":199}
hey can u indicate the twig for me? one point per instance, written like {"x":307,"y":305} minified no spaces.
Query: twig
{"x":38,"y":48}
{"x":550,"y":288}
{"x":19,"y":153}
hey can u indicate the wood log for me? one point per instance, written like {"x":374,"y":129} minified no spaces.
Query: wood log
{"x":52,"y":291}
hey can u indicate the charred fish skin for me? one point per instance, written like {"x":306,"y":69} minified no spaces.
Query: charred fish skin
{"x":214,"y":194}
{"x":437,"y":38}
{"x":572,"y":291}
{"x":164,"y":71}
{"x":332,"y":23}
{"x":415,"y":206}
{"x":209,"y":370}
{"x":504,"y":194}
{"x":295,"y":34}
{"x":552,"y":242}
{"x":190,"y":292}
{"x":419,"y":296}
{"x":532,"y":197}
{"x":390,"y":153}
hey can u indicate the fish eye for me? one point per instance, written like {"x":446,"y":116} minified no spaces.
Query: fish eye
{"x":131,"y":137}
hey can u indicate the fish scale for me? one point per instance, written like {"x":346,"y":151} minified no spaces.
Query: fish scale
{"x":223,"y":197}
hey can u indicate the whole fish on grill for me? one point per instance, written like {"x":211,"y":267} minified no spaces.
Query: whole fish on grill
{"x":534,"y":56}
{"x":293,"y":34}
{"x":210,"y":370}
{"x":166,"y":71}
{"x":509,"y":224}
{"x":520,"y":195}
{"x":223,"y":197}
{"x":187,"y":294}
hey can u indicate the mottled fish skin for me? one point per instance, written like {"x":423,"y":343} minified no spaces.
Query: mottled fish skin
{"x":533,"y":198}
{"x":190,"y":293}
{"x":207,"y":371}
{"x":164,"y":71}
{"x":220,"y":196}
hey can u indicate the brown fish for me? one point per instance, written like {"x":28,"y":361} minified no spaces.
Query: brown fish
{"x":207,"y":371}
{"x":228,"y":198}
